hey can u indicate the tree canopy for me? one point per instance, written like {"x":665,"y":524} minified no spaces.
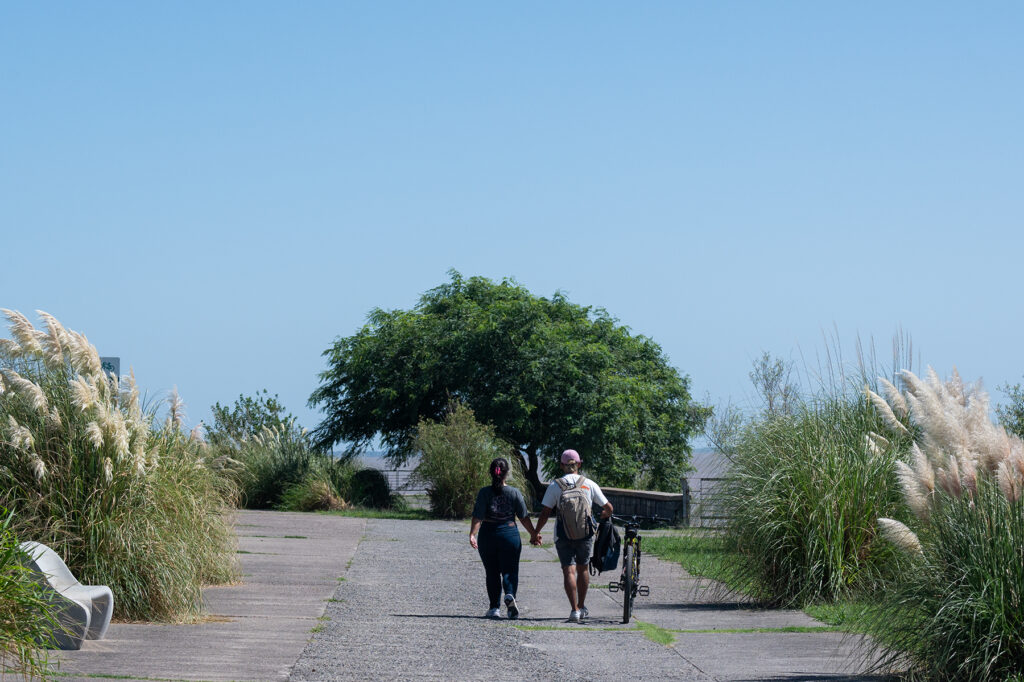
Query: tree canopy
{"x":547,"y":374}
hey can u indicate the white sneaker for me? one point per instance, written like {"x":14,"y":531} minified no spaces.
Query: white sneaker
{"x":584,"y":613}
{"x":493,"y":613}
{"x":513,"y":608}
{"x":574,"y":617}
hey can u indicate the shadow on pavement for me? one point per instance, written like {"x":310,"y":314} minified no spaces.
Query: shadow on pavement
{"x":824,"y":677}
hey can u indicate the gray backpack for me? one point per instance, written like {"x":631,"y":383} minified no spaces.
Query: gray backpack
{"x":575,"y":519}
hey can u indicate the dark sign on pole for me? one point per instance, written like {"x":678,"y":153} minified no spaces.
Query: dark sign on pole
{"x":111,"y":366}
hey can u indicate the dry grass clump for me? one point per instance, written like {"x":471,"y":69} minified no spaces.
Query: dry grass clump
{"x":959,"y":612}
{"x":126,"y":502}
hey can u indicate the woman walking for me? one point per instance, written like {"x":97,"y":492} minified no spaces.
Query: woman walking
{"x":495,"y":535}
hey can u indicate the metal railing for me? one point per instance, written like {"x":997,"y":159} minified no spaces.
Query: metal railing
{"x":402,"y":482}
{"x":707,"y":508}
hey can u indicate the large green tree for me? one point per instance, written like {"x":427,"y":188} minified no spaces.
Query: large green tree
{"x":546,"y":373}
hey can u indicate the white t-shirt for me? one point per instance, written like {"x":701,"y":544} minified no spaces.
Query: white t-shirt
{"x":591,"y":489}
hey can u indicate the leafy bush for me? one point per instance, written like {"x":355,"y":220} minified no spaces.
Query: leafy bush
{"x":125,"y":502}
{"x":803,"y":494}
{"x":249,"y":416}
{"x":454,"y":456}
{"x":1011,"y":416}
{"x":26,"y":617}
{"x":958,"y":614}
{"x":275,"y":466}
{"x":370,"y":488}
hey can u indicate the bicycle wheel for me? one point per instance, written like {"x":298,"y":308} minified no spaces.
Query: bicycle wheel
{"x":628,"y":584}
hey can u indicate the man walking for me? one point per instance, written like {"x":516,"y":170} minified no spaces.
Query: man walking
{"x":573,"y":496}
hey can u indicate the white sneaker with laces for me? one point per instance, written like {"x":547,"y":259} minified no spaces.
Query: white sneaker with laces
{"x":584,"y":613}
{"x":574,"y":617}
{"x":493,"y":613}
{"x":512,"y":606}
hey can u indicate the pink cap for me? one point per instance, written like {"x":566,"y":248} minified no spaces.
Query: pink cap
{"x":570,"y":456}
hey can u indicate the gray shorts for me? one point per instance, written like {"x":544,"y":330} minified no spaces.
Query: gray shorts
{"x":574,"y":551}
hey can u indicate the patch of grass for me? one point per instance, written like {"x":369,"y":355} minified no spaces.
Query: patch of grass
{"x":297,"y":537}
{"x":658,"y":635}
{"x":341,"y":578}
{"x":739,"y":631}
{"x":701,"y":552}
{"x":101,"y":676}
{"x":843,"y":615}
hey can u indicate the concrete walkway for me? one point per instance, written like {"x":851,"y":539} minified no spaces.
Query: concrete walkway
{"x":409,"y":606}
{"x":254,"y":631}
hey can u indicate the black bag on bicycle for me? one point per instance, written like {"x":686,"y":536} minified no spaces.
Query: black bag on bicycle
{"x":607,"y":547}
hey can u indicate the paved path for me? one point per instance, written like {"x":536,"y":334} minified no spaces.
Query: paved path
{"x":412,"y":604}
{"x":409,"y":606}
{"x":256,"y":630}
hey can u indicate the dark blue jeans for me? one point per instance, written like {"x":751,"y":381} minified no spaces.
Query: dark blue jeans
{"x":500,"y":546}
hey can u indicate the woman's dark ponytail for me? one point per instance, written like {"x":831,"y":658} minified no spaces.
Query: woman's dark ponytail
{"x":499,"y":471}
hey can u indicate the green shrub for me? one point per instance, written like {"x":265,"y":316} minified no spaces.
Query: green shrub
{"x":267,"y":463}
{"x":803,"y":494}
{"x":26,"y":617}
{"x":370,"y":488}
{"x":248,"y":416}
{"x":316,"y":492}
{"x":958,"y":612}
{"x":454,"y":456}
{"x":125,"y":502}
{"x":271,"y":459}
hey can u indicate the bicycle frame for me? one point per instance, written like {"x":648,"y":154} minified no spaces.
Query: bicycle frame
{"x":629,"y":580}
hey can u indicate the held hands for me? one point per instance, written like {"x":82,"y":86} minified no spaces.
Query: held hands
{"x":536,"y":540}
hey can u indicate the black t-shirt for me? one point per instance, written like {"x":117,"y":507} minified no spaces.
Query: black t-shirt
{"x":507,"y":505}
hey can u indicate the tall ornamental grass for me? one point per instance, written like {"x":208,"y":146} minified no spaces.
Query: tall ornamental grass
{"x":268,"y":462}
{"x":454,"y":457}
{"x":958,"y":613}
{"x":126,"y":501}
{"x":277,"y":468}
{"x":803,"y":493}
{"x":26,"y":614}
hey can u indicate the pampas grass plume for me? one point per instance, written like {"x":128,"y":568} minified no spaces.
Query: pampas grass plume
{"x":886,"y":412}
{"x":28,"y":389}
{"x":94,"y":434}
{"x":895,"y":398}
{"x":901,"y":536}
{"x":23,"y":332}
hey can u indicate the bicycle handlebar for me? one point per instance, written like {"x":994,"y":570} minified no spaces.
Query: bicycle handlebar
{"x":638,"y":519}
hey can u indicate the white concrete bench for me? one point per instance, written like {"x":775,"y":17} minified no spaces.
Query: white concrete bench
{"x":83,"y":611}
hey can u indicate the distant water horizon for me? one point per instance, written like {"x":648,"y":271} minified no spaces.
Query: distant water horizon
{"x":707,"y":462}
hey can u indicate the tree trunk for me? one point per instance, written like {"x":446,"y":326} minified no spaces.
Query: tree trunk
{"x":531,"y":469}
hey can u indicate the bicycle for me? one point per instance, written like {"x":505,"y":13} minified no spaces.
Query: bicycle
{"x":629,"y":581}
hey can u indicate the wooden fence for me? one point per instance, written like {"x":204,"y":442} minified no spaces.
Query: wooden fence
{"x":672,"y":506}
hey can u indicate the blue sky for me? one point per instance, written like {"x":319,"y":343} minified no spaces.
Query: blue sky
{"x":215,"y":191}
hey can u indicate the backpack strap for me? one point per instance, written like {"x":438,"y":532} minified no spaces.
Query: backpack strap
{"x":564,"y":484}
